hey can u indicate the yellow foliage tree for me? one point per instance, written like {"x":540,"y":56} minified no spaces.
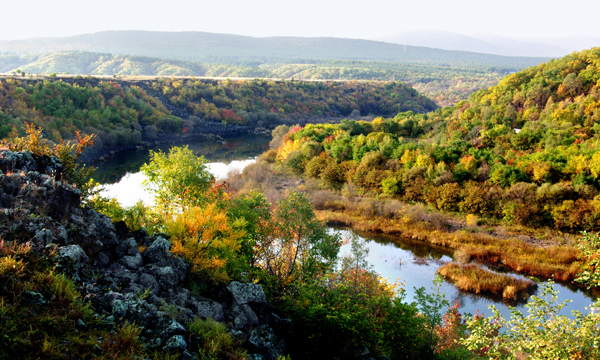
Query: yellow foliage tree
{"x":207,"y":241}
{"x":288,"y":146}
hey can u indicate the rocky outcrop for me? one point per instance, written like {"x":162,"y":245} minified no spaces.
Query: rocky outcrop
{"x":122,"y":283}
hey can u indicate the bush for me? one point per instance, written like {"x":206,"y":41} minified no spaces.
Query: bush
{"x":445,"y":197}
{"x":315,"y":167}
{"x":270,"y":156}
{"x":389,"y":186}
{"x":170,"y":124}
{"x":208,"y":242}
{"x":67,"y":152}
{"x":543,"y":334}
{"x":214,"y":342}
{"x":295,"y":162}
{"x":337,"y":316}
{"x":332,"y":175}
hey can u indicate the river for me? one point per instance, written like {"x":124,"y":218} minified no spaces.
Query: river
{"x":412,"y":262}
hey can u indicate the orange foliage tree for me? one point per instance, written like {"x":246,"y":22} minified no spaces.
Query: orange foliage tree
{"x":207,"y":241}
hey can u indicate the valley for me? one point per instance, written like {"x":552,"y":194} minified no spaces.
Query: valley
{"x":208,"y":196}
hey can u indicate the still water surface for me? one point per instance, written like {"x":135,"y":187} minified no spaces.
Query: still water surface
{"x":392,"y":257}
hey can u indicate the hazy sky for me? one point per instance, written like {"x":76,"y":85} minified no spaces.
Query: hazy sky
{"x":349,"y":18}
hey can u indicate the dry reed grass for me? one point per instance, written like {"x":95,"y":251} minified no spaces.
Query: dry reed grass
{"x":559,"y":262}
{"x":474,"y":278}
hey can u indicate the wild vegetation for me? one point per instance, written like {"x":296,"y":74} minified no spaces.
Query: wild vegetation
{"x":122,"y":114}
{"x":248,"y":102}
{"x":476,"y":279}
{"x":469,"y":161}
{"x":33,"y":327}
{"x":282,"y":246}
{"x":469,"y":158}
{"x":429,"y":174}
{"x":519,"y":155}
{"x":446,"y":85}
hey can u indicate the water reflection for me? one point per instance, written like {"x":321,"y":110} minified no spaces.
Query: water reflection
{"x":114,"y":168}
{"x":415,"y":263}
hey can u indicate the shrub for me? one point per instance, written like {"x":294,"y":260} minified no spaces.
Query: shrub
{"x":208,"y":241}
{"x":213,"y":340}
{"x":269,"y":156}
{"x":298,"y":245}
{"x":315,"y":167}
{"x":311,"y":149}
{"x":332,"y":175}
{"x":178,"y":179}
{"x":389,"y":186}
{"x":338,"y":315}
{"x":479,"y":199}
{"x":294,"y":162}
{"x":445,"y":197}
{"x":589,"y":245}
{"x":325,"y":199}
{"x":542,"y":334}
{"x":169,"y":124}
{"x":574,"y":215}
{"x":67,"y":152}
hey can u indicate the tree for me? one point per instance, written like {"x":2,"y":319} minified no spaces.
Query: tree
{"x":178,"y":179}
{"x":299,"y":245}
{"x":208,"y":241}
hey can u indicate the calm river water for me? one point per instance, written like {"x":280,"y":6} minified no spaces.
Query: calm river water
{"x":391,"y":256}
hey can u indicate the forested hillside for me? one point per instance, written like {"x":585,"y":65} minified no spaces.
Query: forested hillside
{"x":446,"y":85}
{"x":124,"y":114}
{"x":199,"y":46}
{"x":526,"y":151}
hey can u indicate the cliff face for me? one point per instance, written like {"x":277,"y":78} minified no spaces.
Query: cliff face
{"x":121,"y":283}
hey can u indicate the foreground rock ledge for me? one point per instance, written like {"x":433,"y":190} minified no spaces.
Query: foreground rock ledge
{"x":121,"y":283}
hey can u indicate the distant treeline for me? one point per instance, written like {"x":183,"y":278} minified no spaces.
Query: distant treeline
{"x":124,"y":114}
{"x":445,"y":84}
{"x":201,"y":46}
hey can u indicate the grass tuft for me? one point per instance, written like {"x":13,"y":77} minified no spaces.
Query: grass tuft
{"x":474,"y":278}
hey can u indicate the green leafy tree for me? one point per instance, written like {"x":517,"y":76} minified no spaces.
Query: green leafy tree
{"x":298,"y":246}
{"x":178,"y":179}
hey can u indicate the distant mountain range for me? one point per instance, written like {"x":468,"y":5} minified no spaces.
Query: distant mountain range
{"x":210,"y":47}
{"x":491,"y":44}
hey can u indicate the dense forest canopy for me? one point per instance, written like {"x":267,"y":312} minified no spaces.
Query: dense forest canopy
{"x":444,"y":84}
{"x":124,"y":114}
{"x":525,"y":151}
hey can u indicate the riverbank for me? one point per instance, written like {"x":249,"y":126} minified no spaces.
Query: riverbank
{"x":543,"y":253}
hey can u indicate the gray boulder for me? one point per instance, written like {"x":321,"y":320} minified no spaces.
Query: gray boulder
{"x":243,"y":316}
{"x":127,"y":248}
{"x":165,"y":276}
{"x":132,"y":262}
{"x":251,"y":294}
{"x":175,"y":343}
{"x":61,"y":203}
{"x":158,"y":252}
{"x":149,"y":282}
{"x":209,"y":309}
{"x":263,"y":340}
{"x":73,"y":254}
